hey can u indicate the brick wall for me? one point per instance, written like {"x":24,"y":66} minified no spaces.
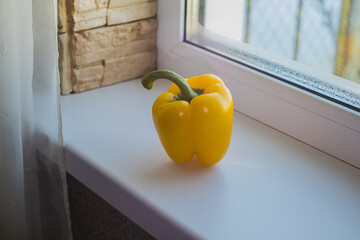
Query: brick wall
{"x":102,"y":42}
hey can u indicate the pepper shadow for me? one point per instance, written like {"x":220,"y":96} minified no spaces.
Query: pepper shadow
{"x":192,"y":171}
{"x":190,"y":180}
{"x":192,"y":187}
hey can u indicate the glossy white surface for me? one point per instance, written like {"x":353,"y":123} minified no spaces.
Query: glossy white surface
{"x":268,"y":186}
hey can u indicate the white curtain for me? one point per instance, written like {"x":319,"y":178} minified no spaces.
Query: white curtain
{"x":33,"y":193}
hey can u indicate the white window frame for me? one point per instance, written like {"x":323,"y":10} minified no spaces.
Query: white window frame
{"x":311,"y":119}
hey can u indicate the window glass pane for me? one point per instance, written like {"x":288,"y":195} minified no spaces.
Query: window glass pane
{"x":313,"y":44}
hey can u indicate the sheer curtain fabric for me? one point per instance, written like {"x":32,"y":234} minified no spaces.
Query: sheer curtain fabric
{"x":33,"y":196}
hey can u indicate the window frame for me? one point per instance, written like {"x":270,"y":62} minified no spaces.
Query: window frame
{"x":323,"y":124}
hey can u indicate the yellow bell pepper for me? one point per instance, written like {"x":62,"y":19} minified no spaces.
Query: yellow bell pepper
{"x":194,"y":117}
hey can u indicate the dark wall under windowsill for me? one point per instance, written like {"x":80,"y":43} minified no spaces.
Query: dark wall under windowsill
{"x":93,"y":218}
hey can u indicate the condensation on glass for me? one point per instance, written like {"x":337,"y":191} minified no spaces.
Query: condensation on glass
{"x":313,"y":44}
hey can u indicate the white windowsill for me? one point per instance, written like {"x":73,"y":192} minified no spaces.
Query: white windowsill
{"x":268,"y":186}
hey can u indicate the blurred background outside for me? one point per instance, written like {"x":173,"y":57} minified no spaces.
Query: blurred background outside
{"x":324,"y":34}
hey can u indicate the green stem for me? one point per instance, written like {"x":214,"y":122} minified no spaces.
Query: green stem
{"x":187,"y":93}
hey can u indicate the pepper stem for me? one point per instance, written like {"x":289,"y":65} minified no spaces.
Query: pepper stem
{"x":187,"y":93}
